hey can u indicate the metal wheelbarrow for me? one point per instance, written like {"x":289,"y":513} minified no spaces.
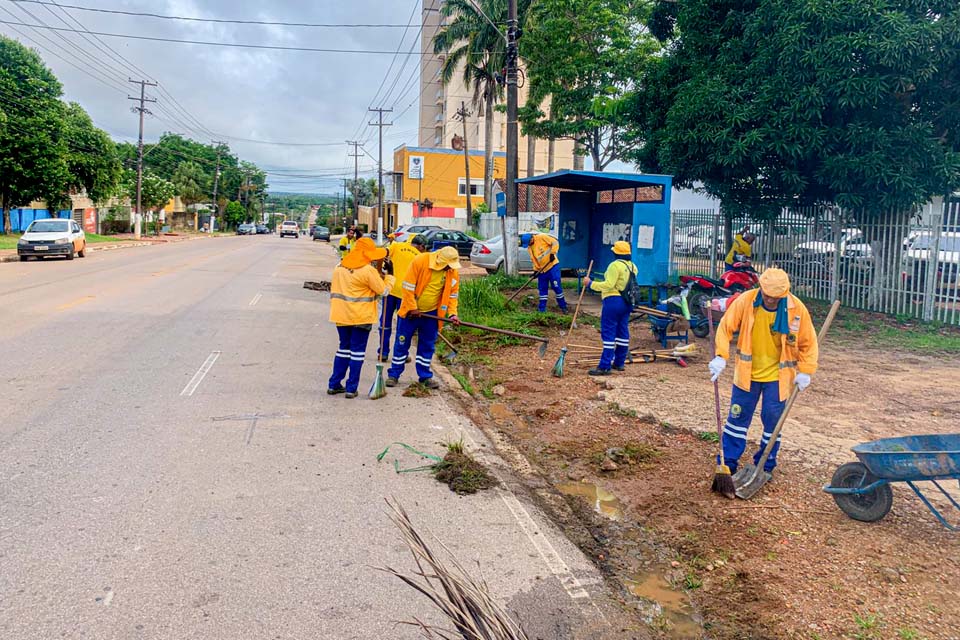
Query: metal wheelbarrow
{"x":862,"y":489}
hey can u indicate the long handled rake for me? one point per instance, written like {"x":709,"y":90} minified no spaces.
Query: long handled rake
{"x":558,"y":367}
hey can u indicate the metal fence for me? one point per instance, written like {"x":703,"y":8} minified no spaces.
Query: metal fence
{"x":893,"y":263}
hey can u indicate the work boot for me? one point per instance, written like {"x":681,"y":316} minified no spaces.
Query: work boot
{"x":392,"y":382}
{"x":334,"y":391}
{"x":384,"y":358}
{"x":351,"y":394}
{"x":620,"y":368}
{"x":429,"y":383}
{"x":598,"y":372}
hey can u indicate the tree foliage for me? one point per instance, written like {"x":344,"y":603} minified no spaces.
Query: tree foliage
{"x":770,"y":103}
{"x":91,"y":156}
{"x":155,"y":191}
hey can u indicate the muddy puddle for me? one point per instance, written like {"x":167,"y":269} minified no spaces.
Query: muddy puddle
{"x":664,"y":608}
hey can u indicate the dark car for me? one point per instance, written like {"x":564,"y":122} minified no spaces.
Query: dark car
{"x":436,"y":238}
{"x":262,"y":229}
{"x":321,"y":233}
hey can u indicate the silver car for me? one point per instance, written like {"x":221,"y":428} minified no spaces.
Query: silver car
{"x":488,"y":255}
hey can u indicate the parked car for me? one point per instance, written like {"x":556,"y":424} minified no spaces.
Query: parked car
{"x":823,"y":249}
{"x":407,"y":231}
{"x":321,"y":233}
{"x":436,"y":238}
{"x":52,"y":237}
{"x":262,"y":229}
{"x":289,"y":228}
{"x":488,"y":254}
{"x":693,"y":240}
{"x":247,"y":230}
{"x":917,"y":260}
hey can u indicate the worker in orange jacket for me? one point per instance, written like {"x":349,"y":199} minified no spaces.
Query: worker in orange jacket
{"x":776,"y":349}
{"x":430,"y":286}
{"x":400,"y":255}
{"x":543,"y":249}
{"x":354,"y":288}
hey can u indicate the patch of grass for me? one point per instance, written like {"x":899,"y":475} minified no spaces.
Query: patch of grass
{"x":908,"y":634}
{"x":898,"y":332}
{"x":455,"y":446}
{"x":461,"y":473}
{"x":708,"y":436}
{"x":464,"y":382}
{"x":9,"y":240}
{"x":868,"y":626}
{"x":502,"y":281}
{"x":615,"y":408}
{"x":93,"y":238}
{"x":692,"y":581}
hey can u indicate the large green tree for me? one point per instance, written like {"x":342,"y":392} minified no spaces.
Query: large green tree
{"x":769,"y":103}
{"x":91,"y":156}
{"x":32,"y":150}
{"x":582,"y":57}
{"x":192,"y":183}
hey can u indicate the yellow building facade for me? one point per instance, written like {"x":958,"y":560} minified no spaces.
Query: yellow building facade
{"x":439,"y":175}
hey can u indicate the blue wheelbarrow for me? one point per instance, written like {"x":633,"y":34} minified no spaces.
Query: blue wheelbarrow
{"x":862,"y":489}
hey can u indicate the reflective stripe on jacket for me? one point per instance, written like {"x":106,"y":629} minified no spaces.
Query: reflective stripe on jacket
{"x":541,"y":247}
{"x":798,"y":352}
{"x":614,"y":279}
{"x":354,"y":293}
{"x":417,"y":279}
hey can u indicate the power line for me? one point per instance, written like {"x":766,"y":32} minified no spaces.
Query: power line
{"x":158,"y":16}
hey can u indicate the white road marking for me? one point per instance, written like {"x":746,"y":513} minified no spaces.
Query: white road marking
{"x":107,"y":599}
{"x":200,"y":374}
{"x":256,"y":299}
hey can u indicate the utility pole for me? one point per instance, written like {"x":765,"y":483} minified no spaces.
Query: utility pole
{"x":462,"y":115}
{"x":356,"y":176}
{"x":345,"y":201}
{"x":380,"y":125}
{"x":143,"y":99}
{"x":216,"y":184}
{"x":512,"y":220}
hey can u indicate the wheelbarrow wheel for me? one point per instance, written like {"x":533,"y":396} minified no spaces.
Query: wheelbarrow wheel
{"x":865,"y":507}
{"x":699,"y":326}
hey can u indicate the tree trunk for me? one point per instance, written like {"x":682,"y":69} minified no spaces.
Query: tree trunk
{"x":578,"y":156}
{"x":7,"y":226}
{"x":488,"y":151}
{"x":531,"y":168}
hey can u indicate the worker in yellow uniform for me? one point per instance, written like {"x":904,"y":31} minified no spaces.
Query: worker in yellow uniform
{"x":347,"y":241}
{"x":776,"y":349}
{"x":401,"y":254}
{"x":354,"y":289}
{"x":741,"y":250}
{"x":431,"y":286}
{"x":544,"y":249}
{"x":615,"y":312}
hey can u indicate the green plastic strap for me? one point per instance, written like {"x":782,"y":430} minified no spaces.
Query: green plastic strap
{"x":396,"y":463}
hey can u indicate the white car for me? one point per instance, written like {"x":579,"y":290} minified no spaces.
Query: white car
{"x":289,"y":228}
{"x":694,"y":240}
{"x":52,"y":237}
{"x":921,"y":252}
{"x":823,"y":249}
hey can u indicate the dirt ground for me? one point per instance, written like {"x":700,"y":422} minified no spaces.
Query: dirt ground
{"x":787,"y":564}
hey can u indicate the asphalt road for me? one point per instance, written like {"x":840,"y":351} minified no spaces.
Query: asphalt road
{"x":170,"y":466}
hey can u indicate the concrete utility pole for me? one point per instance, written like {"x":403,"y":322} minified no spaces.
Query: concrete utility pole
{"x":512,"y":220}
{"x":380,"y":125}
{"x":216,"y":184}
{"x":143,"y":99}
{"x":462,"y":115}
{"x":356,"y":176}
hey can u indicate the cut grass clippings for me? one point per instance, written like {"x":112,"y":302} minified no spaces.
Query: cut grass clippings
{"x":416,"y":390}
{"x":461,"y":473}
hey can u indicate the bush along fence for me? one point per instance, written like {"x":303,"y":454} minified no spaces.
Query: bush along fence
{"x":893,"y":263}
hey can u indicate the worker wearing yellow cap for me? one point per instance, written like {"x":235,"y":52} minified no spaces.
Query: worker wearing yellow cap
{"x":776,"y":349}
{"x":615,"y":313}
{"x":431,"y":286}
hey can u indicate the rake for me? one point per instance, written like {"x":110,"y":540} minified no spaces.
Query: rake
{"x":558,"y":367}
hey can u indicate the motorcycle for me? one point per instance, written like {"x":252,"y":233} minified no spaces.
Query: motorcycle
{"x":740,"y":278}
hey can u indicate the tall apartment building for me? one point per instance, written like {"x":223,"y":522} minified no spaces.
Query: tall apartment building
{"x":439,"y":104}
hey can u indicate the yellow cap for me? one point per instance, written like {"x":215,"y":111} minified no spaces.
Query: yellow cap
{"x":775,"y":282}
{"x":443,"y":258}
{"x":621,"y":248}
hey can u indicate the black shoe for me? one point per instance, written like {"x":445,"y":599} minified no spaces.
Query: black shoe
{"x":351,"y":394}
{"x":598,"y":372}
{"x":384,"y":358}
{"x":335,"y":391}
{"x":429,"y":383}
{"x":620,"y":368}
{"x":391,"y":382}
{"x":564,"y":311}
{"x":408,"y":360}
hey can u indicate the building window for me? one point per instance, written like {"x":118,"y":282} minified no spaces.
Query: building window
{"x":476,"y":187}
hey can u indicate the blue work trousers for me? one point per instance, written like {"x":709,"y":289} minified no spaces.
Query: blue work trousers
{"x":615,"y":332}
{"x":388,"y":306}
{"x":550,"y":279}
{"x":742,"y":405}
{"x":426,"y":330}
{"x":353,"y":346}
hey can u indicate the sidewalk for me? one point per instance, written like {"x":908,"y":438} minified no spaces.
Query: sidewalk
{"x":10,"y":255}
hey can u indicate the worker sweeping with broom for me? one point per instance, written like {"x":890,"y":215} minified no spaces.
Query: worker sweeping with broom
{"x":544,"y":249}
{"x":776,"y":349}
{"x":615,"y":313}
{"x":430,"y":287}
{"x":354,"y":288}
{"x":401,"y":254}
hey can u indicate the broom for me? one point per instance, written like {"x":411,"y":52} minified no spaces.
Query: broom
{"x":379,"y":388}
{"x":558,"y":367}
{"x":722,"y":478}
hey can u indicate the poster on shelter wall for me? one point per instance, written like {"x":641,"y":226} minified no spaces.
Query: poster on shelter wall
{"x":616,"y":231}
{"x":569,"y":232}
{"x":415,"y":168}
{"x":645,"y":237}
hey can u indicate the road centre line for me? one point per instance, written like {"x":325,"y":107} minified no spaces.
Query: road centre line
{"x":200,"y":374}
{"x":256,"y":299}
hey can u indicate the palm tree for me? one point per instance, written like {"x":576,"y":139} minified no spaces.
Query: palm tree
{"x":471,"y":42}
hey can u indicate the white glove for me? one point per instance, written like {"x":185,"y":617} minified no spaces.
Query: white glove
{"x":718,"y":364}
{"x":802,"y":380}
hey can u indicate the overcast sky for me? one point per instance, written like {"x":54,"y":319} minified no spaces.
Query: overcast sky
{"x":277,"y":96}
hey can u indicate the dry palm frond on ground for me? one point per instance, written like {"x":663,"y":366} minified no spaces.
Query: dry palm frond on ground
{"x":465,"y":601}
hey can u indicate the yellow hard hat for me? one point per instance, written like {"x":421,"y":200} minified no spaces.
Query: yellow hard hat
{"x":775,"y":282}
{"x":621,"y":248}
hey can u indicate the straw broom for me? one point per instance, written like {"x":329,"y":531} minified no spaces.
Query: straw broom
{"x":722,"y":478}
{"x":558,"y":367}
{"x":464,"y":600}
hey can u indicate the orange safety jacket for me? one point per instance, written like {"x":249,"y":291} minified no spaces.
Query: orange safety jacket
{"x":541,"y":247}
{"x":417,"y":279}
{"x":798,"y":349}
{"x":354,"y":293}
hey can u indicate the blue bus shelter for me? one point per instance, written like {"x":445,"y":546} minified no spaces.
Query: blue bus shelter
{"x":598,"y":209}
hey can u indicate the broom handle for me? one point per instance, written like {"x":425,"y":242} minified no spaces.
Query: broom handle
{"x":793,"y":395}
{"x":583,"y":290}
{"x":716,"y":386}
{"x":505,"y":332}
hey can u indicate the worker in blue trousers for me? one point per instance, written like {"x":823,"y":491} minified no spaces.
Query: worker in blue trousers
{"x":400,"y":255}
{"x":544,"y":249}
{"x":615,"y":313}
